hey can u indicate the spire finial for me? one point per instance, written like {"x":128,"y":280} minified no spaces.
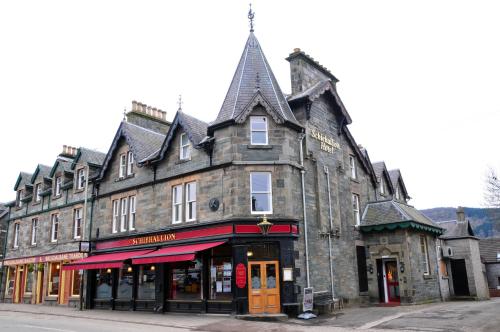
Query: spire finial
{"x":251,"y":16}
{"x":179,"y":103}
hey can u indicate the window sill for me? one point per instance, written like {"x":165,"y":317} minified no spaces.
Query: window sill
{"x":56,"y":197}
{"x":182,"y":161}
{"x":260,"y":147}
{"x":355,"y":180}
{"x":76,"y":191}
{"x":428,"y":276}
{"x":36,"y":203}
{"x":125,"y":177}
{"x":53,"y":242}
{"x":261,"y":212}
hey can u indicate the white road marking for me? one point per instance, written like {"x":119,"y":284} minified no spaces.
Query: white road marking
{"x":380,"y":321}
{"x":47,"y":328}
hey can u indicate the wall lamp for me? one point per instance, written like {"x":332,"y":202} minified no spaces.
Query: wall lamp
{"x":402,"y":267}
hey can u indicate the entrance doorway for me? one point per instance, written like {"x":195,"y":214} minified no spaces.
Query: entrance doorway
{"x":459,"y":276}
{"x":263,"y":287}
{"x":388,"y":281}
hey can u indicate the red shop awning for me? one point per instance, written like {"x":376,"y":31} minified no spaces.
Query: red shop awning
{"x":104,"y":261}
{"x":174,"y":254}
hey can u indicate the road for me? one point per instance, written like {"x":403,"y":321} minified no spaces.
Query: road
{"x":441,"y":317}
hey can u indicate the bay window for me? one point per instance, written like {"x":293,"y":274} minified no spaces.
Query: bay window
{"x":261,"y":193}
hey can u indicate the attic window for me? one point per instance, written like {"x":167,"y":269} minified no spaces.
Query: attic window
{"x":19,"y":202}
{"x":130,"y":163}
{"x":258,"y":128}
{"x":58,"y":185}
{"x":185,"y":148}
{"x":382,"y":187}
{"x":38,"y":191}
{"x":398,"y":196}
{"x":352,"y":165}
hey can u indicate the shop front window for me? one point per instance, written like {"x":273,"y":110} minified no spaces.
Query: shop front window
{"x":125,"y":282}
{"x":28,"y":288}
{"x":54,"y":278}
{"x":146,"y":284}
{"x":103,"y":284}
{"x":11,"y":275}
{"x":186,"y":281}
{"x":75,"y":283}
{"x":220,"y":278}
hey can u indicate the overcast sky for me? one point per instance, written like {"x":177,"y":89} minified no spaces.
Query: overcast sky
{"x":420,"y":79}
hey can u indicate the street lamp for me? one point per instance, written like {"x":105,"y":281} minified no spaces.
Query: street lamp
{"x":264,"y":225}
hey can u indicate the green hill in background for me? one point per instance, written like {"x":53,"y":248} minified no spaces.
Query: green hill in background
{"x":484,"y":221}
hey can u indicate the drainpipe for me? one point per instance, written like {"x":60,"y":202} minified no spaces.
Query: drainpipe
{"x":330,"y":217}
{"x":302,"y":175}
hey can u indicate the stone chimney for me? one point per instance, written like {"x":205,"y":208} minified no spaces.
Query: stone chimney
{"x":460,"y":214}
{"x":148,"y":117}
{"x":68,"y":151}
{"x":305,"y":71}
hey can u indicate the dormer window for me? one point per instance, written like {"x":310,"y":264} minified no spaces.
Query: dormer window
{"x":352,"y":165}
{"x":19,"y":198}
{"x":258,"y":129}
{"x":80,"y":178}
{"x":398,"y":196}
{"x":185,"y":148}
{"x":123,"y":165}
{"x":130,"y":163}
{"x":58,"y":186}
{"x":126,"y":164}
{"x":382,"y":187}
{"x":38,"y":191}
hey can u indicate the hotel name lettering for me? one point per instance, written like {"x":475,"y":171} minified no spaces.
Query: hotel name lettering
{"x":153,"y":239}
{"x":327,"y":143}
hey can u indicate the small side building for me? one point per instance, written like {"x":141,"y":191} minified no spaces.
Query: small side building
{"x":490,"y":255}
{"x":462,"y":271}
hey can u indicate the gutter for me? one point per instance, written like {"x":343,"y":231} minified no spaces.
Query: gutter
{"x":330,"y":217}
{"x":302,"y":176}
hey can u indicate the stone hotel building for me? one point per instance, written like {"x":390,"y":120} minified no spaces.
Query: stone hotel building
{"x":239,"y":215}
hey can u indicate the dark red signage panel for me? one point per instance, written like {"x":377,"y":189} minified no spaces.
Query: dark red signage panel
{"x":241,"y":275}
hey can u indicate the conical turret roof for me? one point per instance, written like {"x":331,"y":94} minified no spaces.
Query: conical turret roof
{"x":254,"y":78}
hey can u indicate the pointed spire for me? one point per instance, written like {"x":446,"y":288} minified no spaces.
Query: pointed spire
{"x":179,"y":103}
{"x":254,"y":76}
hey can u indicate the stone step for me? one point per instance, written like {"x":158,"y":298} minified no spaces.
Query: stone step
{"x":263,"y":317}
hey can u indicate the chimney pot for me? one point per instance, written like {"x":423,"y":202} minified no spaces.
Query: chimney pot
{"x":460,"y":214}
{"x":296,"y":50}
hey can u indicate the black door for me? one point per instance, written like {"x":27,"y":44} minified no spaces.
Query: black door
{"x":459,"y":275}
{"x":362,"y":273}
{"x":380,"y":281}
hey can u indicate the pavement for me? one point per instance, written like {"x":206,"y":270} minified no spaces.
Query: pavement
{"x":439,"y":317}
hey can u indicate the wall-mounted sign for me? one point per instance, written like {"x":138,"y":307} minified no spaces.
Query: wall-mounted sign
{"x":214,"y":204}
{"x":241,"y":275}
{"x":287,"y":274}
{"x":84,"y":246}
{"x":47,"y":258}
{"x":153,"y":238}
{"x":327,"y":143}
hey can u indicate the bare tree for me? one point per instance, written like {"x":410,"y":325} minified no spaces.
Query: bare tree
{"x":492,"y":189}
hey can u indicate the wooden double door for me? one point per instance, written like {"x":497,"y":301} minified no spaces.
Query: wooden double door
{"x":263,"y":287}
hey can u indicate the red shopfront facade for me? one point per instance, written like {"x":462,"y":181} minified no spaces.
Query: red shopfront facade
{"x":203,"y":268}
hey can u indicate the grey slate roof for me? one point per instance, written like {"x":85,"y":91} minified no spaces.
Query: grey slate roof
{"x":90,"y":156}
{"x":316,"y":90}
{"x":380,"y":169}
{"x":253,"y":75}
{"x":455,"y":229}
{"x":41,"y":170}
{"x":390,"y":211}
{"x":23,"y":179}
{"x":489,"y":249}
{"x":3,"y":210}
{"x":194,"y":128}
{"x":142,"y":142}
{"x":395,"y":175}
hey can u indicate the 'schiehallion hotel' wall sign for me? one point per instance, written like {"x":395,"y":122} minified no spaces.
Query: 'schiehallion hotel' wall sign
{"x":328,"y":144}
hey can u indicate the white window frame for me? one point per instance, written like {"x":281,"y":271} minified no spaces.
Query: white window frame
{"x":355,"y":209}
{"x":17,"y":227}
{"x":80,"y":178}
{"x":182,"y":155}
{"x":132,"y":201}
{"x":54,"y":227}
{"x":398,"y":195}
{"x":38,"y":191}
{"x":252,"y":130}
{"x":352,"y":165}
{"x":123,"y":165}
{"x":20,"y":194}
{"x":77,"y":222}
{"x":58,"y":185}
{"x":424,"y":251}
{"x":130,"y":163}
{"x":123,"y":214}
{"x":190,"y":203}
{"x":269,"y":192}
{"x":177,"y":205}
{"x":34,"y":229}
{"x":116,"y":215}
